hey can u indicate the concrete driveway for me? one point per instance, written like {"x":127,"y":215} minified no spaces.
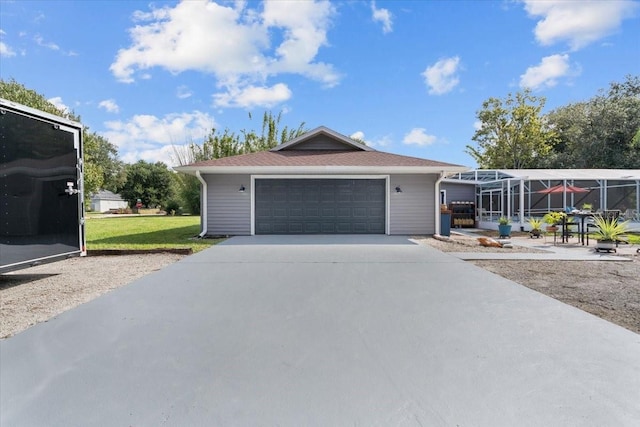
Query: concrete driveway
{"x":322,"y":331}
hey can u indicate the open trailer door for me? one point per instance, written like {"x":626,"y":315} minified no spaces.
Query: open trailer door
{"x":42,"y":212}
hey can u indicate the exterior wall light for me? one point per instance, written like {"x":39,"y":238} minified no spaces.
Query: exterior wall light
{"x":241,"y":190}
{"x":398,"y":189}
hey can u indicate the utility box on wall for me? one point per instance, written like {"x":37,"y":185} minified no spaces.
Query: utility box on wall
{"x":41,"y":184}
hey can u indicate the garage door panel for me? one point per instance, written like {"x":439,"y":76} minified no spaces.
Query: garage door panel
{"x":312,"y":228}
{"x":328,"y":213}
{"x":343,"y":197}
{"x":360,"y":227}
{"x":296,"y":212}
{"x":376,"y":212}
{"x":328,"y":228}
{"x":343,"y":212}
{"x":320,"y":206}
{"x":343,"y":227}
{"x":312,"y":212}
{"x":359,"y":196}
{"x":292,"y":228}
{"x":360,"y":212}
{"x":297,"y":196}
{"x":311,"y":196}
{"x":280,"y":213}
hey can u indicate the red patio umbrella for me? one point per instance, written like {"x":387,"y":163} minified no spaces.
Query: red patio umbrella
{"x":559,"y":189}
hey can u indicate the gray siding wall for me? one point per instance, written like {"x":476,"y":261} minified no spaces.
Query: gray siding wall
{"x":228,"y":210}
{"x":413,"y":210}
{"x":321,"y":142}
{"x":459,"y":192}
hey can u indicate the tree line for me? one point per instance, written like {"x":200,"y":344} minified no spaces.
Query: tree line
{"x":600,"y":133}
{"x":155,"y":184}
{"x":513,"y":133}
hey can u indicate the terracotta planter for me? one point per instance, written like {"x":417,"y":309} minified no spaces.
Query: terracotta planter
{"x":552,"y":228}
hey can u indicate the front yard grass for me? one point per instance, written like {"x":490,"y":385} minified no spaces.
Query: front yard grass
{"x":145,"y":233}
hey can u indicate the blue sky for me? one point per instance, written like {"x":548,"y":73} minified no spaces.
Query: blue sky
{"x":406,"y":76}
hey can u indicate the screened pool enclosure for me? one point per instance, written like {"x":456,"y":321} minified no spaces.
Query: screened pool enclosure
{"x":524,"y":193}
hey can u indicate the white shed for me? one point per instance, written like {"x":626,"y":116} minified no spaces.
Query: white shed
{"x":105,"y":200}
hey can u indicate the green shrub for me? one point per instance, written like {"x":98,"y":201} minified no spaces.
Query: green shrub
{"x":609,"y":229}
{"x":173,"y":208}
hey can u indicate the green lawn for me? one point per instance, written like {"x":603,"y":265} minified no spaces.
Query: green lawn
{"x":145,"y":232}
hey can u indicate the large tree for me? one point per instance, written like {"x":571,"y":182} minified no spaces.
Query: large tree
{"x":150,"y":182}
{"x":218,"y":145}
{"x":602,"y":132}
{"x":512,"y":134}
{"x":103,"y":156}
{"x":102,"y":168}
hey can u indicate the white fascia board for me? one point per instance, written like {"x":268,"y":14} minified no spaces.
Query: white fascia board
{"x":298,"y":170}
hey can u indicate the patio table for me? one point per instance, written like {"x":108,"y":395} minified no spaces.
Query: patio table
{"x":582,"y":229}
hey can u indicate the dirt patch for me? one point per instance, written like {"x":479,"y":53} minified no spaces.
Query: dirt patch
{"x":607,"y":289}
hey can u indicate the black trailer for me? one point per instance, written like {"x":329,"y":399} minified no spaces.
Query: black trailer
{"x":42,"y":208}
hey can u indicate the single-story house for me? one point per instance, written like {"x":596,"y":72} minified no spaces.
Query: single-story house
{"x":105,"y":200}
{"x":321,"y":182}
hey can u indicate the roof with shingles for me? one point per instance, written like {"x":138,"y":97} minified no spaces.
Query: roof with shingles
{"x":107,"y":195}
{"x":320,"y":158}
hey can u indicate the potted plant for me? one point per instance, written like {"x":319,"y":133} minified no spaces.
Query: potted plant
{"x":610,"y":232}
{"x":536,"y":227}
{"x":552,"y":219}
{"x":504,"y":226}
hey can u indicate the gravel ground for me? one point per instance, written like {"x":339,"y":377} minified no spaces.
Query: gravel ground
{"x":37,"y":294}
{"x":607,"y":289}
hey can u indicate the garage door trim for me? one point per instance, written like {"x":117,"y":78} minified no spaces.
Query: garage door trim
{"x":253,"y":193}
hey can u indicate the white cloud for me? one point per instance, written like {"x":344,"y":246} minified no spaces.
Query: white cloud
{"x":441,"y":77}
{"x":383,"y":16}
{"x":109,"y":105}
{"x":357,"y":135}
{"x":183,"y":92}
{"x":165,"y":154}
{"x":419,"y":136}
{"x":232,"y":42}
{"x":380,"y":142}
{"x":6,"y":51}
{"x":253,"y":96}
{"x":49,"y":45}
{"x":547,"y":73}
{"x":146,"y":136}
{"x":57,"y":101}
{"x":304,"y":26}
{"x":579,"y":23}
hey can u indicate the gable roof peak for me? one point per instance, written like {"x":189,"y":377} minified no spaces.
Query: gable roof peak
{"x":323,"y":130}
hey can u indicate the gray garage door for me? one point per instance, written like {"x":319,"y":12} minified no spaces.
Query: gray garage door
{"x":320,"y":206}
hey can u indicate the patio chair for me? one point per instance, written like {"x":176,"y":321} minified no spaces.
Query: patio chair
{"x":611,"y":214}
{"x":630,"y":215}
